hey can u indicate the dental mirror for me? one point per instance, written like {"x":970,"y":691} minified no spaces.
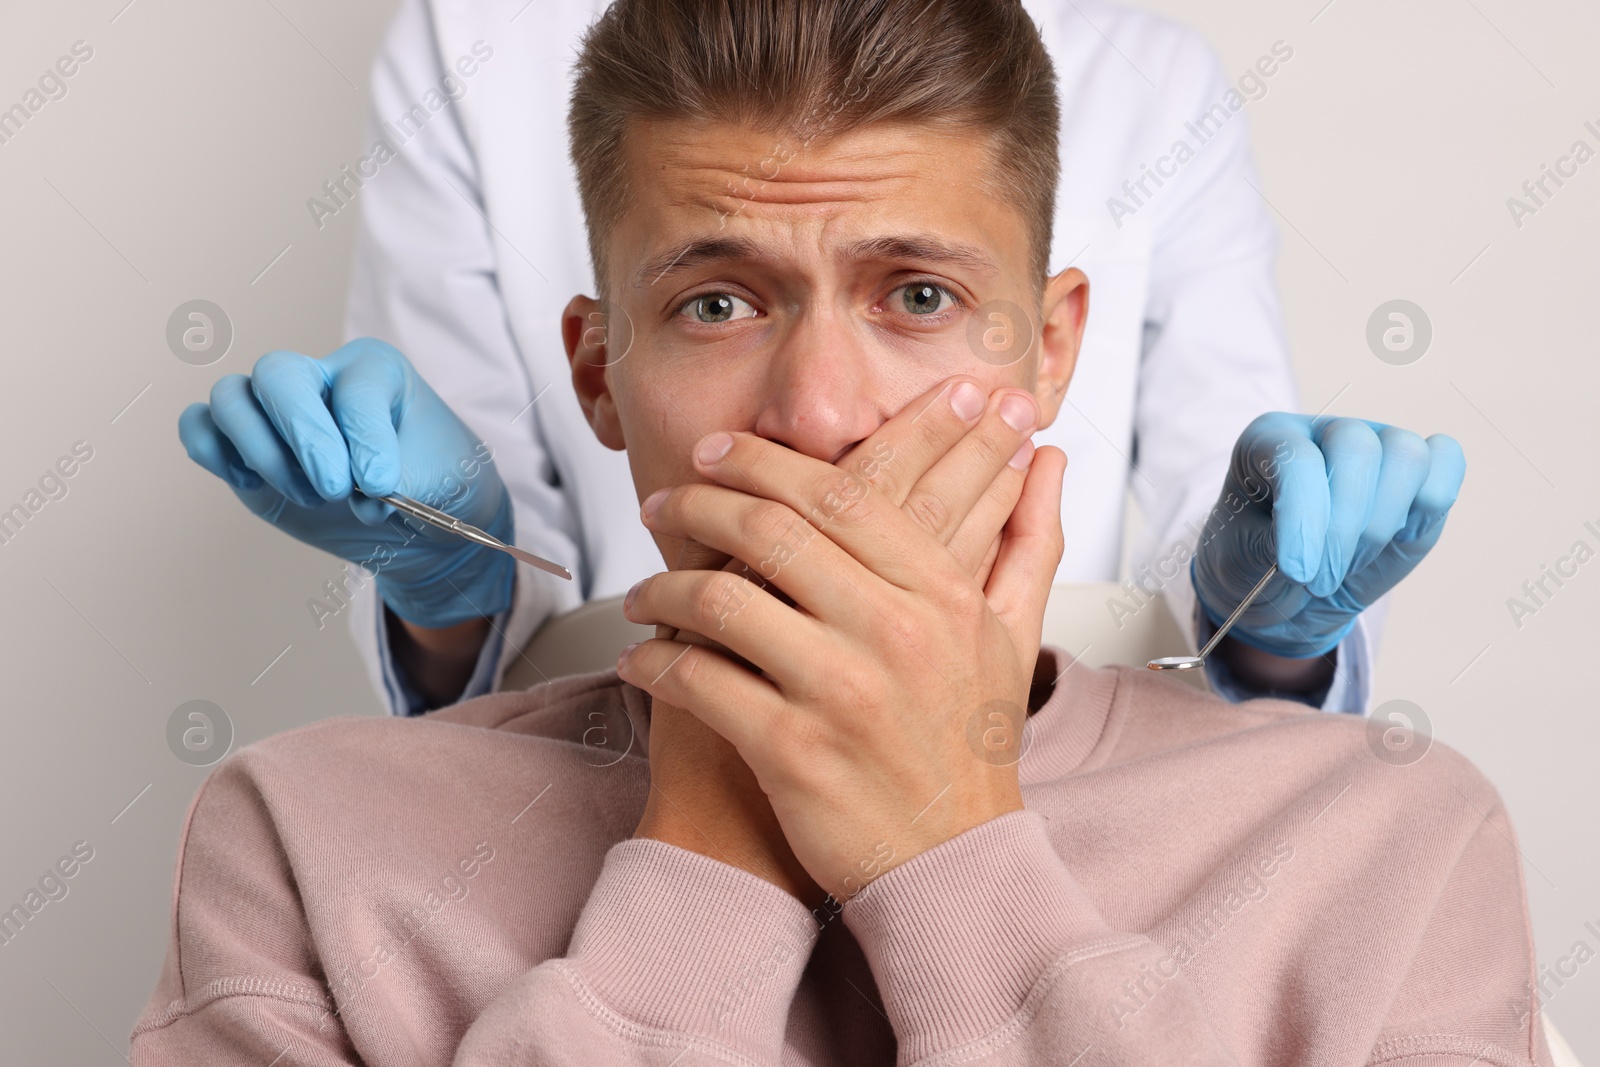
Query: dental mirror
{"x":1189,"y":663}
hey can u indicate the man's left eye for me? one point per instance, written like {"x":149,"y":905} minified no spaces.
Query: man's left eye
{"x":925,"y":298}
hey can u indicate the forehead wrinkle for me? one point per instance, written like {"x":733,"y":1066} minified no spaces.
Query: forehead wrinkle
{"x":918,"y":247}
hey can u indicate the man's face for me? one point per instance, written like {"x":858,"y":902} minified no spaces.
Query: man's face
{"x":807,"y":294}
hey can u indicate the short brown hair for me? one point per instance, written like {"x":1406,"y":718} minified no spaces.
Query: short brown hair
{"x":814,"y":69}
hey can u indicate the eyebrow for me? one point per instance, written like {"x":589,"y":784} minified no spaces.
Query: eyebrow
{"x":922,"y":248}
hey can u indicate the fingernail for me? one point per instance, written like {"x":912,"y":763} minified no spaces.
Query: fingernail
{"x":713,"y":448}
{"x":622,"y":657}
{"x":1023,"y":456}
{"x":627,"y":601}
{"x":1017,"y":411}
{"x":966,"y":400}
{"x":653,"y":501}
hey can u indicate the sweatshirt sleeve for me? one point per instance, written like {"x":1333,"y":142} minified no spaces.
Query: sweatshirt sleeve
{"x":673,"y":952}
{"x":1468,"y":995}
{"x":241,"y":983}
{"x":988,"y":952}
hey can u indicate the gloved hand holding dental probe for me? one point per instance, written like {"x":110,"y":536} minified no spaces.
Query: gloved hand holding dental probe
{"x":1345,"y":507}
{"x":306,"y":443}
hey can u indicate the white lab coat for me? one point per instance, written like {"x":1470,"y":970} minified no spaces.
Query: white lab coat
{"x":472,"y":242}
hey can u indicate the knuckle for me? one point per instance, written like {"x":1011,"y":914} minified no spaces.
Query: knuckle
{"x":1447,"y":447}
{"x":964,"y":600}
{"x":766,"y":524}
{"x":1406,"y":450}
{"x":687,"y":664}
{"x":906,"y":627}
{"x":990,"y":449}
{"x":1353,"y":437}
{"x":1268,"y":424}
{"x":231,"y":395}
{"x":842,"y":496}
{"x":711,"y":595}
{"x":278,"y":368}
{"x":687,"y":499}
{"x":376,"y":349}
{"x":928,"y":511}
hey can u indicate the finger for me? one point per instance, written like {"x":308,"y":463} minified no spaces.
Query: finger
{"x":863,"y":523}
{"x":1353,"y":457}
{"x":1447,"y":469}
{"x":902,"y":450}
{"x":366,"y":399}
{"x":944,"y":497}
{"x":1030,"y":552}
{"x":238,"y":414}
{"x":211,"y":449}
{"x":1276,"y":447}
{"x":293,"y":390}
{"x":972,"y":545}
{"x":735,"y":613}
{"x":779,"y":546}
{"x":1424,"y":524}
{"x":735,"y":703}
{"x":1402,"y":471}
{"x":986,"y":567}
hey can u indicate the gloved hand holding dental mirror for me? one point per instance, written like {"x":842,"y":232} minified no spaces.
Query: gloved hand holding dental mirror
{"x":328,"y":450}
{"x":1317,"y":519}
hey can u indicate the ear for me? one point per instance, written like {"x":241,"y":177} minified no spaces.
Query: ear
{"x":1066,"y":310}
{"x":585,"y":332}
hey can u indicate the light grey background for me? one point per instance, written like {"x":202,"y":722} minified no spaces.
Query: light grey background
{"x":178,"y":166}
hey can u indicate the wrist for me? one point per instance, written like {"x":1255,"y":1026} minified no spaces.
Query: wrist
{"x":738,"y":836}
{"x":437,"y":661}
{"x":711,"y":804}
{"x":1270,"y":674}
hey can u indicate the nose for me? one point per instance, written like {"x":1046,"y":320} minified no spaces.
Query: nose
{"x":819,"y":388}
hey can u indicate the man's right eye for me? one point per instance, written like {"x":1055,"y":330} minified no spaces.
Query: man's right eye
{"x":716,"y":307}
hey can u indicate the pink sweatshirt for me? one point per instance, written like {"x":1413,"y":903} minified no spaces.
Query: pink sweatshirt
{"x":1193,"y":882}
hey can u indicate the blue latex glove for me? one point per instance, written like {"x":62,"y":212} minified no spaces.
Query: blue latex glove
{"x":1346,"y":508}
{"x":298,"y":434}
